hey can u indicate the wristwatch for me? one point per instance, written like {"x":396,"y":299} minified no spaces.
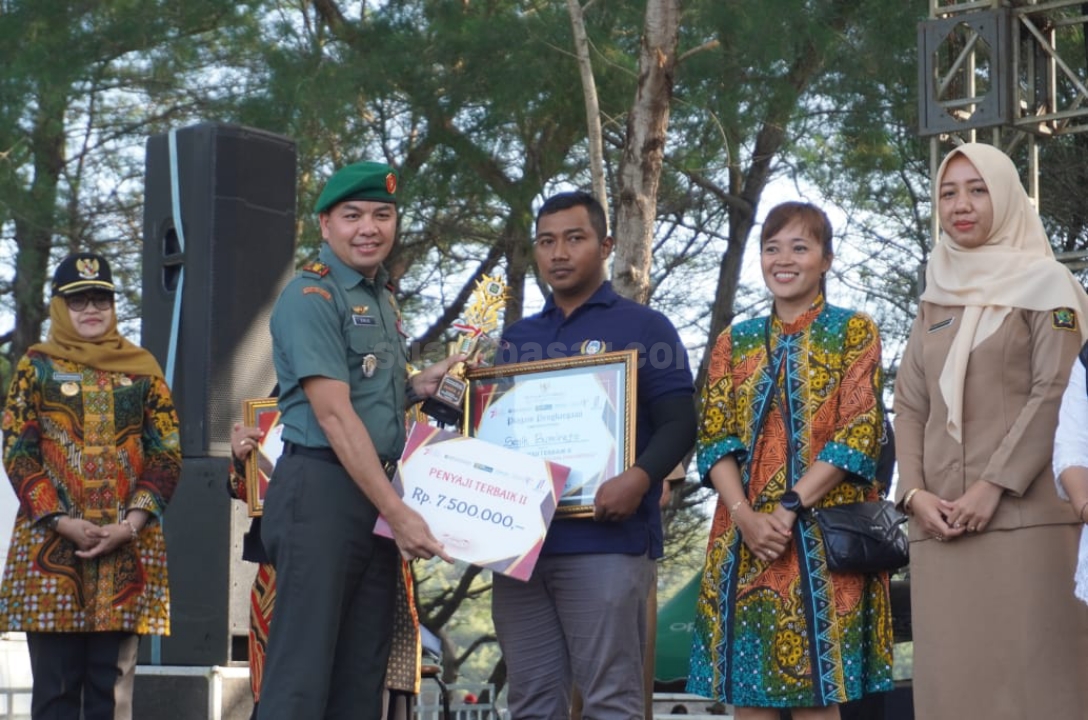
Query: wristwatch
{"x":52,"y":521}
{"x":791,"y":501}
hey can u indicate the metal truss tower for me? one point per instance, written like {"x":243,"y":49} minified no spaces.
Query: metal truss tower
{"x":1008,"y":72}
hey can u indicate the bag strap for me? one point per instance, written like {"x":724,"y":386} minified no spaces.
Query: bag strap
{"x":762,"y":419}
{"x":781,"y":395}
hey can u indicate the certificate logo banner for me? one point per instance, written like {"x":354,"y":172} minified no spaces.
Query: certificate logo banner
{"x":488,"y":505}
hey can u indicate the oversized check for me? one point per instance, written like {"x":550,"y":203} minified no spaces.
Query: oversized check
{"x":488,"y":505}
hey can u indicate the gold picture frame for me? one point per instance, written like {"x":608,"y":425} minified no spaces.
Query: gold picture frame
{"x":264,"y":414}
{"x":578,"y":411}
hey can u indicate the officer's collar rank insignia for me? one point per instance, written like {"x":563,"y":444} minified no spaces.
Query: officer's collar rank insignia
{"x":593,"y":347}
{"x":1064,"y":319}
{"x":370,"y":364}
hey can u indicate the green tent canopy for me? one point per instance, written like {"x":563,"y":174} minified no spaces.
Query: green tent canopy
{"x":674,"y":628}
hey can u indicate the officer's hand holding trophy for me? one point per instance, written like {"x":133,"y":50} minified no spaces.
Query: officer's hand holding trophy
{"x":481,"y":318}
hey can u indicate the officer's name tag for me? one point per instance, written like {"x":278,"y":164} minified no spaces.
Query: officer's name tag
{"x":67,"y":377}
{"x":364,"y":320}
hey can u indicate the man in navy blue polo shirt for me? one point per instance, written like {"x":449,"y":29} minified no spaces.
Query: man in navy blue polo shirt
{"x":581,"y":617}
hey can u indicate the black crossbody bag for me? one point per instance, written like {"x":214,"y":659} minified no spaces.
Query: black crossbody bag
{"x":862,"y":537}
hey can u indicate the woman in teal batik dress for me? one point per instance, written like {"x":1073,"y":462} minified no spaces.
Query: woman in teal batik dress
{"x":774,"y":627}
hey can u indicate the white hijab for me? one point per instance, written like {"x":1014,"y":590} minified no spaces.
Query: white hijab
{"x":1014,"y":268}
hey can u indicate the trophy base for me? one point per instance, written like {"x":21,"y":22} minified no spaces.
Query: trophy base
{"x":447,"y":404}
{"x":451,"y":391}
{"x":443,"y":413}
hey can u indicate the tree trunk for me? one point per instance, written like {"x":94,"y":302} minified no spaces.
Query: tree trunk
{"x":640,"y":167}
{"x":34,"y":221}
{"x":593,"y":108}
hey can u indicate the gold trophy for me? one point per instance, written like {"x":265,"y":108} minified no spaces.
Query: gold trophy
{"x":481,"y":317}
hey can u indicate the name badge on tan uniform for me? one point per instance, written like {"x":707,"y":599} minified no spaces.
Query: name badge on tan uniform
{"x":941,"y":325}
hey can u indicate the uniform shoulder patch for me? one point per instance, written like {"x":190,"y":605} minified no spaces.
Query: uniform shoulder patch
{"x":317,"y":268}
{"x":314,"y":290}
{"x":1064,"y":319}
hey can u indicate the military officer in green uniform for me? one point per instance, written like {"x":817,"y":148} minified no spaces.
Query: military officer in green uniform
{"x":340,"y":358}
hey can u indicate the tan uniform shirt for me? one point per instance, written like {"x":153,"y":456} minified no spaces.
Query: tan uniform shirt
{"x":1013,"y":389}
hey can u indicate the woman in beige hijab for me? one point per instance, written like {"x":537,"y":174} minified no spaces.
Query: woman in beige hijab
{"x":997,"y":631}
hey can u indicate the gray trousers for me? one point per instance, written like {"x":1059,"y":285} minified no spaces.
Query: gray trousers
{"x":92,"y":671}
{"x":579,"y":619}
{"x":332,"y":622}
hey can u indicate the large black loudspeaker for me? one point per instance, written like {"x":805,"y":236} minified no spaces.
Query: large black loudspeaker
{"x":236,"y":196}
{"x":235,"y":199}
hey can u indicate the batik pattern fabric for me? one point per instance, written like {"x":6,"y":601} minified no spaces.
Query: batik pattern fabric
{"x":262,"y":598}
{"x":402,"y":672}
{"x":92,"y":444}
{"x":790,"y":633}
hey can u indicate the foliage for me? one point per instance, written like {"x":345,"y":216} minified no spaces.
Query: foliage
{"x":478,"y":104}
{"x":83,"y":84}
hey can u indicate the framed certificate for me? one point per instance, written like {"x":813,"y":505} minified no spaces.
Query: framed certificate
{"x":577,"y":411}
{"x":265,"y":415}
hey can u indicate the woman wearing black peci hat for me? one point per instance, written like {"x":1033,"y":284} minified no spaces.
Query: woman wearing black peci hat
{"x":91,"y":448}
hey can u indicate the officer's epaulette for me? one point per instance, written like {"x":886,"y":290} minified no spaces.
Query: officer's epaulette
{"x":316,"y":267}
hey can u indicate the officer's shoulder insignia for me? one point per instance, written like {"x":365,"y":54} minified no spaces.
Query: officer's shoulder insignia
{"x":317,"y":268}
{"x":1064,"y":319}
{"x":314,"y":290}
{"x":593,"y":347}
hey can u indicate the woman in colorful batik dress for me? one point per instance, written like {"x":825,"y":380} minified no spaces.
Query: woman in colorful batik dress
{"x":91,"y":448}
{"x":791,"y":420}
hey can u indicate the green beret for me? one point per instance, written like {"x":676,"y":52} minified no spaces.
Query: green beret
{"x":359,"y":181}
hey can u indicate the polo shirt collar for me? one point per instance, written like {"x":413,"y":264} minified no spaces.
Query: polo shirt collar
{"x":604,"y":296}
{"x":346,"y":276}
